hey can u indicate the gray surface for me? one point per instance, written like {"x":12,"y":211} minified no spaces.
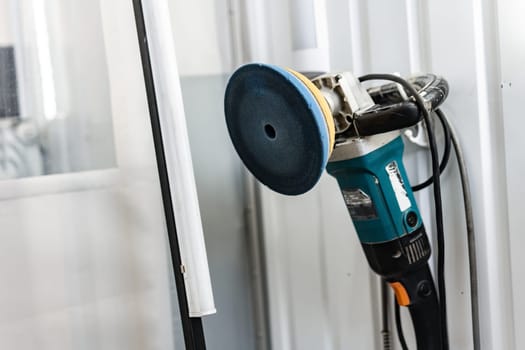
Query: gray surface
{"x":218,"y":175}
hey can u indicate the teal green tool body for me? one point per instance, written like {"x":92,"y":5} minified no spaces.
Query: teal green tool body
{"x":377,"y":193}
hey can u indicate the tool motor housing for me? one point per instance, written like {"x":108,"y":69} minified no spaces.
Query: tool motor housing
{"x":382,"y":206}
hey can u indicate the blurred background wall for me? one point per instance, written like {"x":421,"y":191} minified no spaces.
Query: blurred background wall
{"x":83,"y":249}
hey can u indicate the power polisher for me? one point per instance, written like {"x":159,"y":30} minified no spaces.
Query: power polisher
{"x":287,"y":129}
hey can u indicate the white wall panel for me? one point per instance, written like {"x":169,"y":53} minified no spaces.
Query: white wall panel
{"x":387,"y":33}
{"x":219,"y":178}
{"x":318,"y":281}
{"x":461,"y":41}
{"x":512,"y":85}
{"x":338,"y":11}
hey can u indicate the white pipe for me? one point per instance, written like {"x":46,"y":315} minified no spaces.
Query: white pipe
{"x":417,"y":37}
{"x":256,"y":29}
{"x":310,"y":36}
{"x":359,"y":37}
{"x":178,"y":159}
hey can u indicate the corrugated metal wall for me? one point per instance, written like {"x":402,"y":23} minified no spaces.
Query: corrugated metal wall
{"x":321,"y":294}
{"x":319,"y":286}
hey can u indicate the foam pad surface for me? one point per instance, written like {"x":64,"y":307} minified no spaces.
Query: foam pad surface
{"x":277,"y":128}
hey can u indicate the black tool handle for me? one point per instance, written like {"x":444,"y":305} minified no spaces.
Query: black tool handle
{"x":380,"y":119}
{"x":416,"y":290}
{"x":393,"y":111}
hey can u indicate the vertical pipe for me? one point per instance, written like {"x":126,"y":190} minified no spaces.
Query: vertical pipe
{"x":359,"y":36}
{"x":256,"y":44}
{"x":418,"y":48}
{"x":309,"y":36}
{"x":174,"y":164}
{"x":179,"y":163}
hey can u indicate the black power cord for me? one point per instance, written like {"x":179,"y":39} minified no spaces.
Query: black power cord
{"x":469,"y":221}
{"x":385,"y":322}
{"x":437,"y":194}
{"x":399,"y":326}
{"x":446,"y":152}
{"x":450,"y":136}
{"x":447,"y":133}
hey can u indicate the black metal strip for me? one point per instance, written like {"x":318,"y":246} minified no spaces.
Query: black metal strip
{"x":191,"y":326}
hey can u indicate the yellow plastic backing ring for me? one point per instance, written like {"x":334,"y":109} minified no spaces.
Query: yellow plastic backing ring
{"x":325,"y":108}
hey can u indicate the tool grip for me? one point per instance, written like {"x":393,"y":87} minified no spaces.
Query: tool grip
{"x":415,"y":289}
{"x":384,"y":118}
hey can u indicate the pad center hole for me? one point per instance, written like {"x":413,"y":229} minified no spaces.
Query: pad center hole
{"x":270,"y":131}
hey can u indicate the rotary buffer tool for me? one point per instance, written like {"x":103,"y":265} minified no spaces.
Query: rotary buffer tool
{"x":287,"y":129}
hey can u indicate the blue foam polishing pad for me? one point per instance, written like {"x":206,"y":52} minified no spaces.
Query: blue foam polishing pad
{"x":277,"y":127}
